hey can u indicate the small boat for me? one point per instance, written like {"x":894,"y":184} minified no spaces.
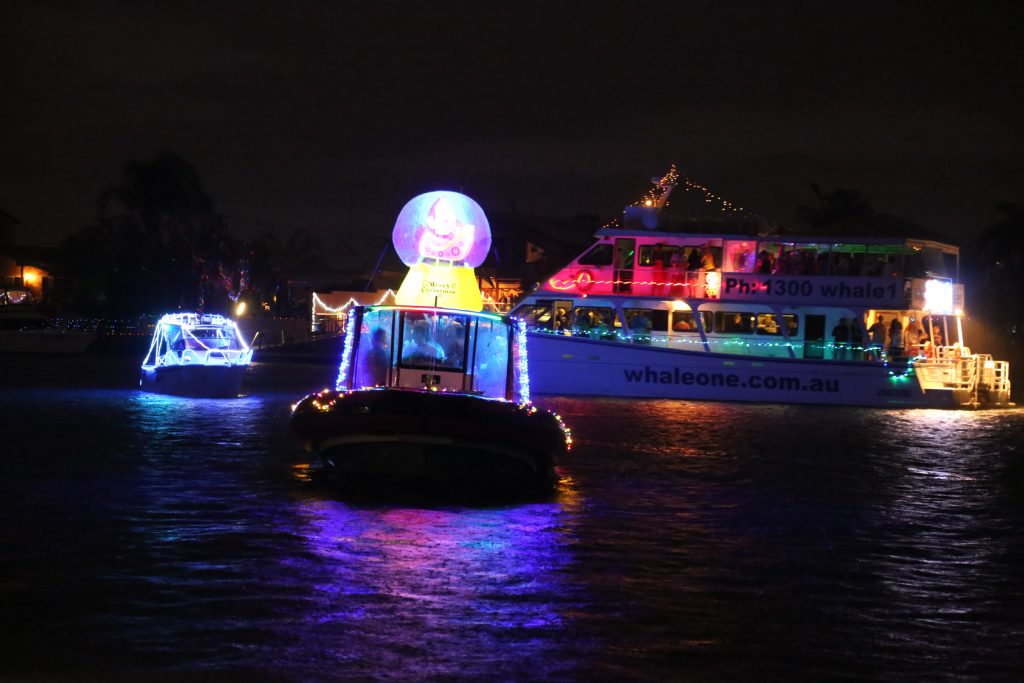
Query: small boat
{"x":196,"y":354}
{"x":434,"y":394}
{"x":25,"y":330}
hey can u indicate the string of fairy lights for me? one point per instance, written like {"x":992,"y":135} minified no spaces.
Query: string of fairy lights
{"x":657,"y":196}
{"x":732,"y":343}
{"x":320,"y":307}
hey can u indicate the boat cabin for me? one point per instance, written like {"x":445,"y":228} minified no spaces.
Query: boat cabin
{"x":438,"y":349}
{"x":196,"y":339}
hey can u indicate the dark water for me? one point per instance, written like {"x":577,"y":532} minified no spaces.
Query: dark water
{"x":155,"y":538}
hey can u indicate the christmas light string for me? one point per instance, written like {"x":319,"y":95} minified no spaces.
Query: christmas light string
{"x":656,"y":196}
{"x":320,"y":308}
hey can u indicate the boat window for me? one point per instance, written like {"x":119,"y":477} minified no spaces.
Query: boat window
{"x":659,"y":320}
{"x":537,"y":314}
{"x":739,"y":257}
{"x":373,"y":354}
{"x":593,"y":321}
{"x":767,"y":256}
{"x":651,"y":254}
{"x":767,"y":323}
{"x":846,"y":259}
{"x":174,"y":338}
{"x":490,"y":362}
{"x":214,"y":338}
{"x":625,"y":251}
{"x":545,"y":314}
{"x":656,"y":320}
{"x":563,"y":311}
{"x":802,"y":259}
{"x":599,"y":255}
{"x":683,"y":321}
{"x":706,"y":257}
{"x":434,"y":341}
{"x":936,"y":263}
{"x":734,"y":322}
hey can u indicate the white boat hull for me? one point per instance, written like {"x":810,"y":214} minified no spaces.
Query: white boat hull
{"x":196,"y":381}
{"x":578,"y":366}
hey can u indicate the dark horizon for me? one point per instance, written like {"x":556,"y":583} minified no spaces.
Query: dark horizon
{"x":331,"y":118}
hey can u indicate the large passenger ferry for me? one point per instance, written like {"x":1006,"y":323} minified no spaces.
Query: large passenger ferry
{"x":662,"y":311}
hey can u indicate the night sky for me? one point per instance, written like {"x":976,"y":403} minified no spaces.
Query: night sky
{"x":331,"y":115}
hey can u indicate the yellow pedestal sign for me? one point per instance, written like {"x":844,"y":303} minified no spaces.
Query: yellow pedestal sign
{"x":441,"y":285}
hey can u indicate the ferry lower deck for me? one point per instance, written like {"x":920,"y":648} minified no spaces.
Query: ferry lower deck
{"x":738,"y":351}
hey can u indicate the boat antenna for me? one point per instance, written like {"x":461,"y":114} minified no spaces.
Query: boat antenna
{"x":376,"y":268}
{"x":657,"y":197}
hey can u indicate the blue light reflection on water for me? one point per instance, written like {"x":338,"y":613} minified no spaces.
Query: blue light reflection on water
{"x":460,"y":592}
{"x":147,"y":534}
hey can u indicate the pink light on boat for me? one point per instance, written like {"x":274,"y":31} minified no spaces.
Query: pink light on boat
{"x":442,"y":226}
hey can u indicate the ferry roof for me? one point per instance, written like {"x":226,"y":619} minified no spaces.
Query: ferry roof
{"x":876,"y":229}
{"x":785,"y":238}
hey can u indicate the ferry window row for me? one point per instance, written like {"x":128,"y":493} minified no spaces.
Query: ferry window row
{"x":601,"y":320}
{"x":779,"y":258}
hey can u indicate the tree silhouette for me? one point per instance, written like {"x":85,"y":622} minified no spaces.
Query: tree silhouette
{"x":834,"y":206}
{"x":273,"y":261}
{"x":158,"y":244}
{"x":996,"y":260}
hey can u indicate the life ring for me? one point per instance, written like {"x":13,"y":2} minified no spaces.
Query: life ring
{"x":584,"y":281}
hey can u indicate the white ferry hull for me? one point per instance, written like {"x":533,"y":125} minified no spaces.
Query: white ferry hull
{"x":197,"y":381}
{"x":577,"y":366}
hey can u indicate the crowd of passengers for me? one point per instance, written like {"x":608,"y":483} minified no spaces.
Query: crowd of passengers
{"x":851,"y":341}
{"x":882,"y":341}
{"x":795,"y":262}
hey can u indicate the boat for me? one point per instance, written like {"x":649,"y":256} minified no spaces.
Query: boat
{"x":198,"y":355}
{"x":433,"y":390}
{"x":656,"y":309}
{"x":26,"y":330}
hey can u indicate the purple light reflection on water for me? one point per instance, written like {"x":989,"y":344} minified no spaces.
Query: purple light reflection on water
{"x":444,"y":585}
{"x":155,"y":537}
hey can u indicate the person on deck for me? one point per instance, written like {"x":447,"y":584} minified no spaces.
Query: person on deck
{"x":707,"y":259}
{"x":856,"y":338}
{"x":422,"y":348}
{"x":841,"y":337}
{"x":912,"y":338}
{"x":693,"y":260}
{"x":876,"y":333}
{"x":640,"y":326}
{"x":378,"y":358}
{"x":895,"y":338}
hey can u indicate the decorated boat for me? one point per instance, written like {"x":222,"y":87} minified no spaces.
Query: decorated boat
{"x":433,"y":389}
{"x":661,"y":310}
{"x":196,"y":354}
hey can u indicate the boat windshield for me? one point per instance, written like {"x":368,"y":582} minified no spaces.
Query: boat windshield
{"x":435,"y":340}
{"x":220,"y":338}
{"x":392,"y":341}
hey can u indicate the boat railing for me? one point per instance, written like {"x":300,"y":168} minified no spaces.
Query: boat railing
{"x":953,"y":367}
{"x":206,"y":357}
{"x":994,"y":375}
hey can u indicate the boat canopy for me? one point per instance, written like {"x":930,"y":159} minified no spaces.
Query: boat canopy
{"x":196,"y":339}
{"x":439,"y":349}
